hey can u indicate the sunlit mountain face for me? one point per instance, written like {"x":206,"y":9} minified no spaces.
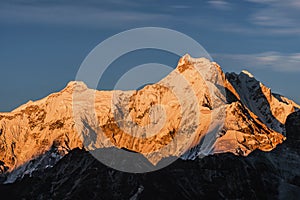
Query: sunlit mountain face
{"x":236,"y":139}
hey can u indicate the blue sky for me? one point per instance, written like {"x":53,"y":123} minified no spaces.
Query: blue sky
{"x":42,"y":43}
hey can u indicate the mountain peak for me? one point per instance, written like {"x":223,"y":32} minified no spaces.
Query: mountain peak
{"x":187,"y":59}
{"x":74,"y":84}
{"x":247,"y":73}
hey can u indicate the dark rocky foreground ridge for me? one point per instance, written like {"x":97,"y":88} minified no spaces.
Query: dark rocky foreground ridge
{"x":261,"y":175}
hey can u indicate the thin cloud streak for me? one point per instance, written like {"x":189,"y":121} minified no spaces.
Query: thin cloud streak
{"x":277,"y":16}
{"x":220,"y":4}
{"x":268,"y":60}
{"x":272,"y":17}
{"x":75,"y":15}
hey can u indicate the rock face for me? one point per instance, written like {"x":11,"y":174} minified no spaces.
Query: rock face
{"x":36,"y":127}
{"x":78,"y":175}
{"x":188,"y":108}
{"x":260,"y":175}
{"x":293,"y":129}
{"x":271,"y":109}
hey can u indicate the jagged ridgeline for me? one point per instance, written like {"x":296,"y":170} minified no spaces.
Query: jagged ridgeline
{"x":45,"y":130}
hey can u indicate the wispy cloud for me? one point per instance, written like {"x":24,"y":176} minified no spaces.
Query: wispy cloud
{"x":275,"y":61}
{"x":220,"y":4}
{"x":262,"y":1}
{"x":99,"y":15}
{"x":267,"y":17}
{"x":277,"y":16}
{"x":270,"y":17}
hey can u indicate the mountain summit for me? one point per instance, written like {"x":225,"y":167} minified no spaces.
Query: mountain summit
{"x":238,"y":116}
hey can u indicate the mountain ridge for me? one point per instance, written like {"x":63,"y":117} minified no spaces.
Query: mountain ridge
{"x":37,"y":127}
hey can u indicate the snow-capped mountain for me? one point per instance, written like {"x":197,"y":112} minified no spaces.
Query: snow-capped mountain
{"x":204,"y":112}
{"x":271,"y":109}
